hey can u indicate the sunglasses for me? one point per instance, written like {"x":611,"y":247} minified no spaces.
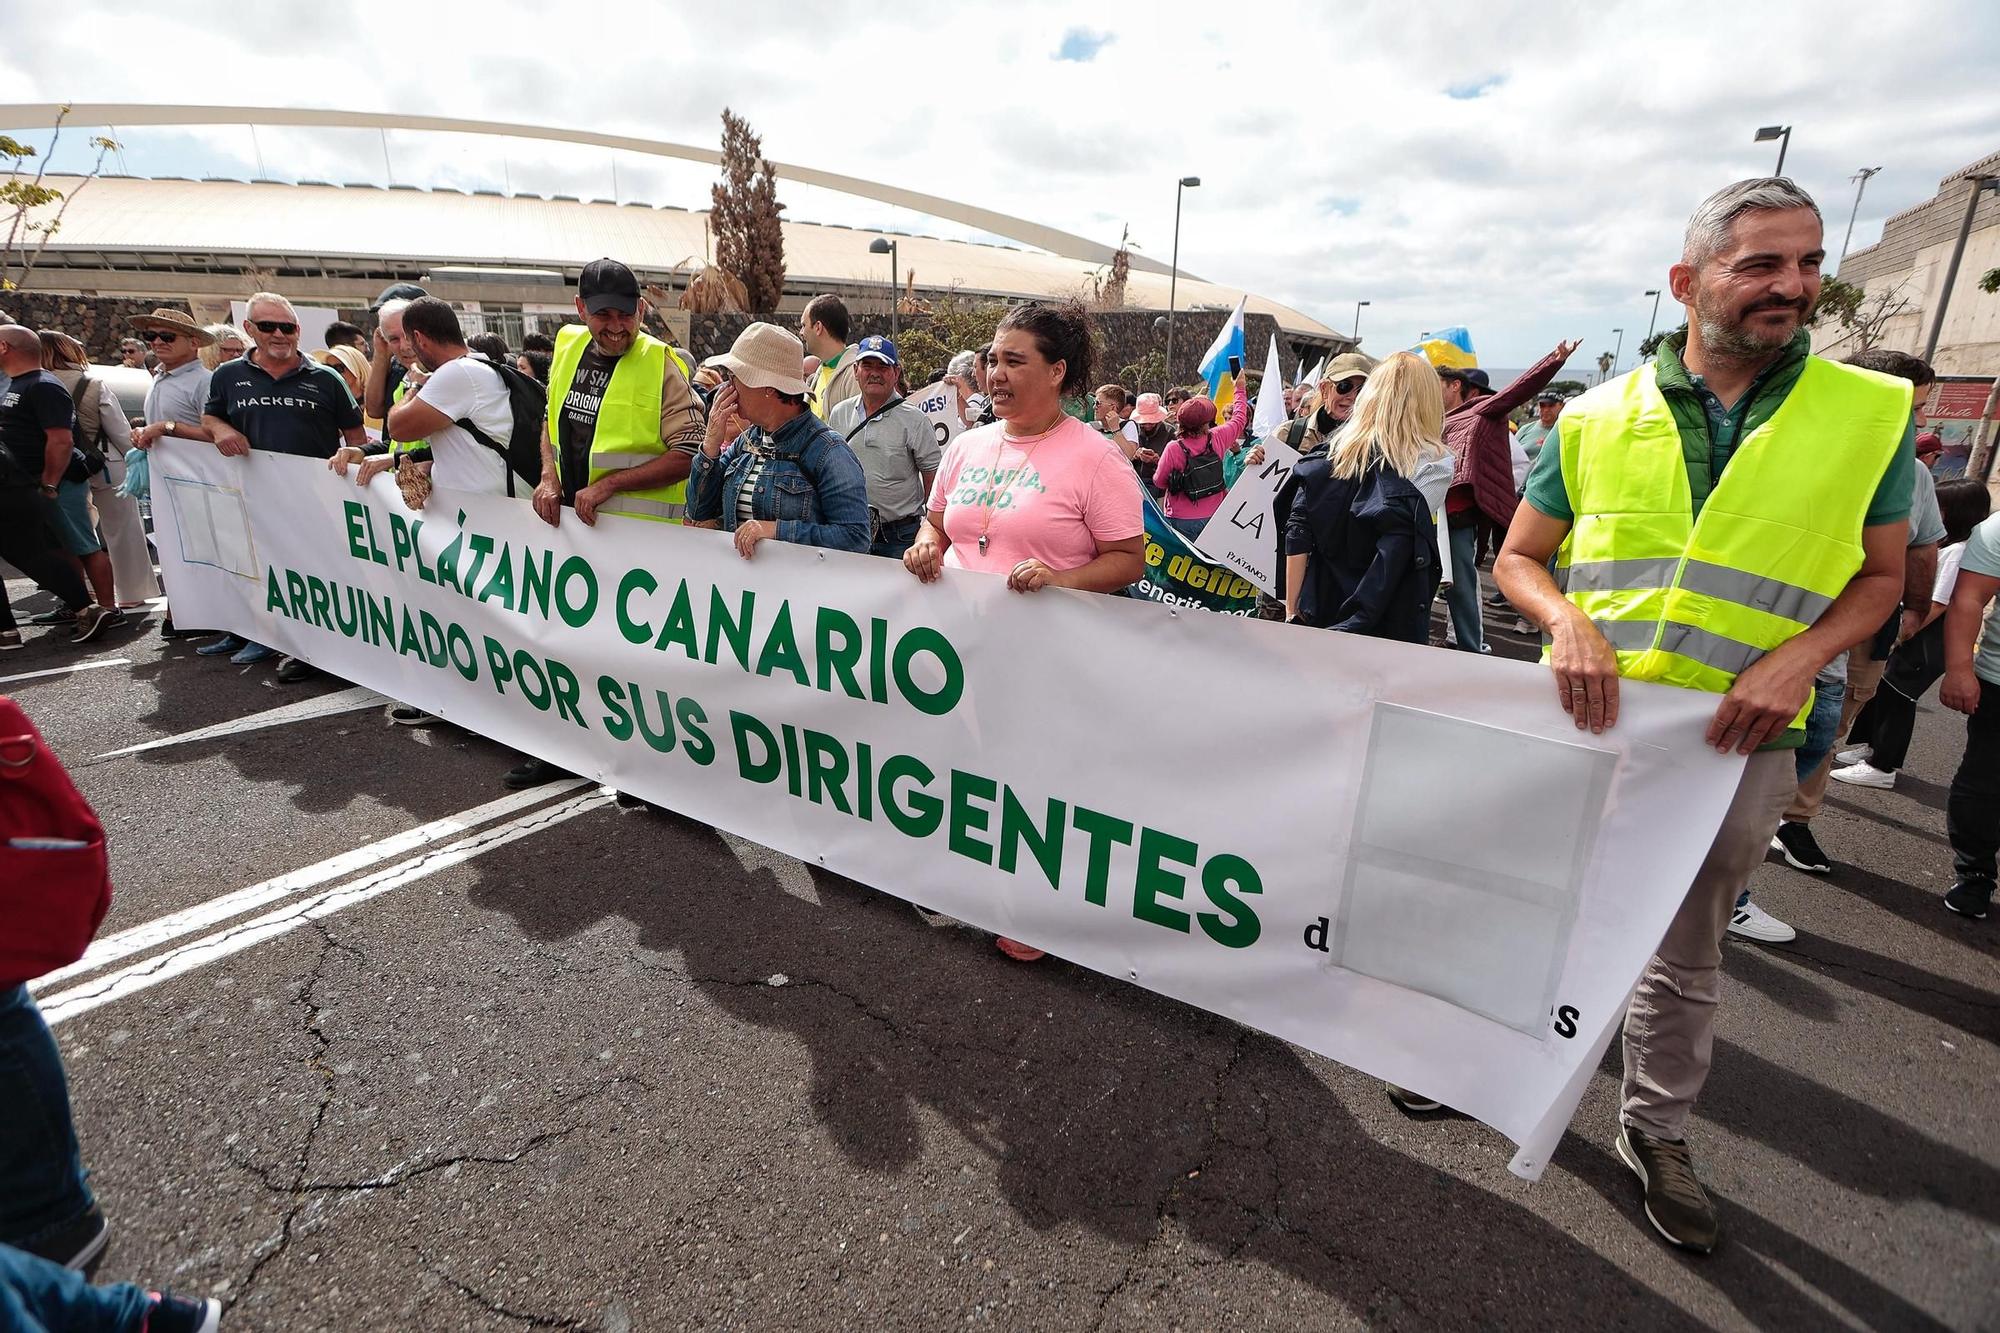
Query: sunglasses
{"x":1352,"y":384}
{"x":156,"y":336}
{"x":283,"y":326}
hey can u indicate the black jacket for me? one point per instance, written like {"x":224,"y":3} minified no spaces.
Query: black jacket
{"x":1371,"y":552}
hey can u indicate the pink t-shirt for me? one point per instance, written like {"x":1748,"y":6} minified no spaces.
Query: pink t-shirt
{"x":1055,"y":501}
{"x":1224,"y":439}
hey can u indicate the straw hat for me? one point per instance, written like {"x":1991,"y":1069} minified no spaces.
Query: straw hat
{"x":174,"y":321}
{"x":765,"y":356}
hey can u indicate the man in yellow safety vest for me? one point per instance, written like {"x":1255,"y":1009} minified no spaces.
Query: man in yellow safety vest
{"x":623,"y":423}
{"x":1728,"y":517}
{"x":622,"y":428}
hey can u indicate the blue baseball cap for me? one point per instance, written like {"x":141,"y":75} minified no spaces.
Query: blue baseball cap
{"x":877,"y":346}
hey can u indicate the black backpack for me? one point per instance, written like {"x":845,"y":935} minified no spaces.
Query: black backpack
{"x":529,"y":402}
{"x":1202,"y":475}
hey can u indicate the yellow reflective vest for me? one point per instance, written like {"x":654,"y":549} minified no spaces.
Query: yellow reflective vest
{"x":1693,"y":601}
{"x":627,"y":433}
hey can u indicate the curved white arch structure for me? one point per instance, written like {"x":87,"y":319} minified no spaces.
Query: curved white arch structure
{"x":42,"y":115}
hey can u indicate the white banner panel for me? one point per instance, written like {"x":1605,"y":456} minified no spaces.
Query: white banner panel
{"x":1244,"y":534}
{"x":1405,"y":859}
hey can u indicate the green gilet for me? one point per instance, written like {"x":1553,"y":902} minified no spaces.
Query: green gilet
{"x":1694,"y":601}
{"x":627,"y":433}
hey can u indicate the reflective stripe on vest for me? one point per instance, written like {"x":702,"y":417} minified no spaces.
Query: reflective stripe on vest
{"x":627,"y":432}
{"x":1694,"y":600}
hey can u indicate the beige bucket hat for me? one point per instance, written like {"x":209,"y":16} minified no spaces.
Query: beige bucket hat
{"x":765,"y":356}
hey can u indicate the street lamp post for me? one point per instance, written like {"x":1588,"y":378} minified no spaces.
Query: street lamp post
{"x":1861,"y":179}
{"x":1783,"y":134}
{"x":1357,"y":320}
{"x":1174,"y":268}
{"x":1980,"y":185}
{"x":882,"y":245}
{"x":1617,"y":351}
{"x":1653,"y":292}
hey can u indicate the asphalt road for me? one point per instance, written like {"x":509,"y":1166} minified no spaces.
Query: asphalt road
{"x":606,"y":1069}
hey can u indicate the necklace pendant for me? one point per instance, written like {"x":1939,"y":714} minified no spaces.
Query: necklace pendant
{"x":982,"y":543}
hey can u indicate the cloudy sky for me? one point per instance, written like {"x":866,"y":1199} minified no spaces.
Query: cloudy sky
{"x":1520,"y":168}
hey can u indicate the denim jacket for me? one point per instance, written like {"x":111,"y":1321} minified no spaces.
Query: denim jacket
{"x":812,"y":485}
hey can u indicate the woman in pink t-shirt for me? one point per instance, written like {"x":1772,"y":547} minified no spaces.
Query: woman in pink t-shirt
{"x":1037,"y":496}
{"x":1193,"y":495}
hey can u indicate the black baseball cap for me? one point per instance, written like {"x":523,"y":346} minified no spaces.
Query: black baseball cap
{"x":397,"y":291}
{"x":1550,"y":397}
{"x":607,"y":284}
{"x":1470,"y":376}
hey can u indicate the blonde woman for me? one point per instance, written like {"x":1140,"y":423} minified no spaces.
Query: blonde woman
{"x":229,"y":343}
{"x":1361,"y":548}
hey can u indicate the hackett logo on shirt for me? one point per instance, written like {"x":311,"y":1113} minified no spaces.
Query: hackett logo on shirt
{"x":278,"y":400}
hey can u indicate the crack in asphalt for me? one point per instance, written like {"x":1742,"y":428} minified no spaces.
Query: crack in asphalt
{"x":1954,"y":996}
{"x":492,"y":1306}
{"x":1172,"y":1193}
{"x":396,"y":1178}
{"x":320,"y":1063}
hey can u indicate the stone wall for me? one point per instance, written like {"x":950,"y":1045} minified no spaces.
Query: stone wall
{"x":98,"y":322}
{"x":1126,"y":338}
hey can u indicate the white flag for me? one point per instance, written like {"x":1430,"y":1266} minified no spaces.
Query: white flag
{"x":1270,"y":397}
{"x":1311,"y":378}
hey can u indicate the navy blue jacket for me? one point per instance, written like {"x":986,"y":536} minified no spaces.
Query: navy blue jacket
{"x":1371,"y":552}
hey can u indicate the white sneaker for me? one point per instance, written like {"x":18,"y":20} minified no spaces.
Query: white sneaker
{"x":1865,"y":774}
{"x":1854,"y":754}
{"x":1522,"y":627}
{"x":1751,"y":922}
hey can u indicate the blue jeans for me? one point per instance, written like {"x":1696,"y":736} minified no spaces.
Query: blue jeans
{"x":41,"y":1167}
{"x":1462,"y":597}
{"x":1822,"y":728}
{"x":37,"y":1296}
{"x":894,"y":537}
{"x":1189,"y":528}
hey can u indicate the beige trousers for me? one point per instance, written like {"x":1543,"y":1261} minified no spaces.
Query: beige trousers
{"x":124,"y":533}
{"x":1863,"y":679}
{"x":1670,"y":1024}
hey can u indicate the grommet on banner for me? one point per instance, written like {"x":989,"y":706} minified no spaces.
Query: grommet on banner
{"x":1174,"y":612}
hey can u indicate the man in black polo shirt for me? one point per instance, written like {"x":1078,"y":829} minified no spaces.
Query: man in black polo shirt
{"x":36,"y":424}
{"x":278,"y":402}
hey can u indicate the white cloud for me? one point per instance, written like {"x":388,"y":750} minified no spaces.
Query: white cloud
{"x":1337,"y":165}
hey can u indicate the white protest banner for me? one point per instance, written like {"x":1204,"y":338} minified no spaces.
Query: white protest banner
{"x":1244,"y":534}
{"x":940,"y":403}
{"x":1439,"y":882}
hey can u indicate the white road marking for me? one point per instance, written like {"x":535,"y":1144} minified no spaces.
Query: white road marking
{"x":141,"y":976}
{"x":326,"y":705}
{"x":65,"y":670}
{"x":161,"y":930}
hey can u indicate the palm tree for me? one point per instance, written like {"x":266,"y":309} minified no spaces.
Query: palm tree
{"x":1603,"y":366}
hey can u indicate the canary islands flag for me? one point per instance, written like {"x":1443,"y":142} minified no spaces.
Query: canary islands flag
{"x":1215,"y":364}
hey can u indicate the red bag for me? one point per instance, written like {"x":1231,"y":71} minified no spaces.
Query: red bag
{"x":52,"y":897}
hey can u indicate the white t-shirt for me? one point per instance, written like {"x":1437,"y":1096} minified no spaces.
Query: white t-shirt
{"x":468,"y":388}
{"x":1947,"y":573}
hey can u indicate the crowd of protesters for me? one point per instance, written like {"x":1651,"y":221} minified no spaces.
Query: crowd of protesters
{"x":1652,"y":525}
